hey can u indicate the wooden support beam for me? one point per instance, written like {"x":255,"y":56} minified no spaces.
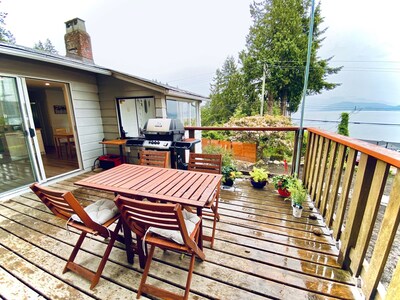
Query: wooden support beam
{"x":384,"y":242}
{"x":307,"y":158}
{"x":321,"y":181}
{"x":346,"y":185}
{"x":335,"y":186}
{"x":317,"y":167}
{"x":393,"y":290}
{"x":329,"y":176}
{"x":294,"y":156}
{"x":371,"y":211}
{"x":313,"y":155}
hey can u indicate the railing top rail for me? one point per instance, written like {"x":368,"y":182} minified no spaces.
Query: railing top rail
{"x":288,"y":128}
{"x":389,"y":156}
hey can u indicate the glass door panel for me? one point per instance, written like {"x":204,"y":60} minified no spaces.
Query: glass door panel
{"x":16,"y":166}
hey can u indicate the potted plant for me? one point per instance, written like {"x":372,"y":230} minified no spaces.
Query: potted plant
{"x":259,"y":177}
{"x":229,"y":174}
{"x":298,"y":194}
{"x":281,"y":184}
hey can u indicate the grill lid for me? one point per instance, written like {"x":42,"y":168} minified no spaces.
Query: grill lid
{"x":154,"y":126}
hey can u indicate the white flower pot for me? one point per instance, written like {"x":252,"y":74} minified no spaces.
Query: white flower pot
{"x":297,"y":212}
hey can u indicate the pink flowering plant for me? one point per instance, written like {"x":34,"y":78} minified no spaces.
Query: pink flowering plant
{"x":282,"y":181}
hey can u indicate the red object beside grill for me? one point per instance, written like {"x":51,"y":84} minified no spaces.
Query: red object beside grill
{"x":109,"y":161}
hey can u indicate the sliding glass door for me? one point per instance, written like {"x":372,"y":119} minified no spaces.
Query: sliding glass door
{"x":17,"y":164}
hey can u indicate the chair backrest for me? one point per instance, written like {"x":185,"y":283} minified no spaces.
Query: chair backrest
{"x":154,"y":158}
{"x":61,"y":130}
{"x":208,"y":163}
{"x":64,"y":205}
{"x":140,"y":215}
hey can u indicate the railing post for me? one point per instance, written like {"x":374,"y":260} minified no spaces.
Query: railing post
{"x":191,"y":133}
{"x":357,"y":207}
{"x":371,"y":211}
{"x":294,"y":157}
{"x":384,"y":241}
{"x":344,"y":197}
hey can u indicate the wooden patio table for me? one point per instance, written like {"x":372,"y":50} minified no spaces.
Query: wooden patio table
{"x":187,"y":188}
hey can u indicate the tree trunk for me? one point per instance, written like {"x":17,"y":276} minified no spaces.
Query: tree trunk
{"x":283,"y":104}
{"x":270,"y":103}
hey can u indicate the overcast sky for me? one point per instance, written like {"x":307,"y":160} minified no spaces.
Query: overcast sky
{"x":183,"y":42}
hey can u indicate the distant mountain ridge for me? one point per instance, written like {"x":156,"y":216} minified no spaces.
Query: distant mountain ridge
{"x":367,"y":106}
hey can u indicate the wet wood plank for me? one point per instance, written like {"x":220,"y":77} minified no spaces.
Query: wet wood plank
{"x":260,"y":251}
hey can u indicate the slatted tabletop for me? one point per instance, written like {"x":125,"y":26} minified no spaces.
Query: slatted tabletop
{"x":172,"y":185}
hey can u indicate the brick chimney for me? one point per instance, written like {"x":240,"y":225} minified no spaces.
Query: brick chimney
{"x":77,"y":41}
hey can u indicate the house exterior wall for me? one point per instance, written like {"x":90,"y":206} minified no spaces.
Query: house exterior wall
{"x":84,"y":95}
{"x":110,"y":89}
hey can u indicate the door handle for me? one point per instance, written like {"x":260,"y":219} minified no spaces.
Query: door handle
{"x":32,"y":132}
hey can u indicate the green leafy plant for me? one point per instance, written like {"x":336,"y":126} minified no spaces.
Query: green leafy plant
{"x":227,"y":156}
{"x":282,"y":181}
{"x":230,"y":173}
{"x":298,"y":193}
{"x":259,"y":174}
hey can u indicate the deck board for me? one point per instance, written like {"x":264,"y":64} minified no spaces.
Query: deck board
{"x":260,"y":252}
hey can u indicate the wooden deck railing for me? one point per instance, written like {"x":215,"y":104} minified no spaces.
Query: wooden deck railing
{"x":296,"y":130}
{"x":348,"y":197}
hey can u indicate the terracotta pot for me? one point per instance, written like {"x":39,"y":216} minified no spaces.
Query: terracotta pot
{"x":258,"y":184}
{"x":284,"y":192}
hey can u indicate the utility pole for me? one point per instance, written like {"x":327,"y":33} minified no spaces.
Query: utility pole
{"x":262,"y":93}
{"x":306,"y":73}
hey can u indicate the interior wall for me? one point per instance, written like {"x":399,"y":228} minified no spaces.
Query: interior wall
{"x":55,"y":97}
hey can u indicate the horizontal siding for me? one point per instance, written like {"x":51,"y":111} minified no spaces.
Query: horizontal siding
{"x":109,"y":90}
{"x":84,"y":94}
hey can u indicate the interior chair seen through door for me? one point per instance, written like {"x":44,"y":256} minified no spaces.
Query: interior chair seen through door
{"x":208,"y":163}
{"x":165,"y":226}
{"x":94,"y":219}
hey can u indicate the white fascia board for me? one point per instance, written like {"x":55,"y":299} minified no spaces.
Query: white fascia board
{"x":139,"y":82}
{"x":186,"y":96}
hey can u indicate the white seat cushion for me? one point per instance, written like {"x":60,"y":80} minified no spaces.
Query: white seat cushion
{"x":190,"y":221}
{"x":100,"y":211}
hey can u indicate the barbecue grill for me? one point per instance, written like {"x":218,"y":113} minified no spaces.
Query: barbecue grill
{"x":167,"y":135}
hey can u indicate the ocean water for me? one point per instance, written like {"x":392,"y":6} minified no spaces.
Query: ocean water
{"x":376,"y":126}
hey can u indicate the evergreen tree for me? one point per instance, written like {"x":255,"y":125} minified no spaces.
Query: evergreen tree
{"x":46,"y":46}
{"x":227,"y":95}
{"x":5,"y":35}
{"x":343,"y":127}
{"x":278,"y":39}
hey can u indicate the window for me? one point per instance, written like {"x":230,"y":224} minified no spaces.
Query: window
{"x":185,"y":111}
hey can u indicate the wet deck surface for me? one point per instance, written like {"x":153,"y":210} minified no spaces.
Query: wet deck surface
{"x":260,"y":252}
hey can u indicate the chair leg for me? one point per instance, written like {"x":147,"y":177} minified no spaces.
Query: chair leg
{"x":215,"y":211}
{"x":75,"y":251}
{"x":106,"y":254}
{"x":103,"y":262}
{"x":189,"y":278}
{"x":213,"y":231}
{"x":146,"y":271}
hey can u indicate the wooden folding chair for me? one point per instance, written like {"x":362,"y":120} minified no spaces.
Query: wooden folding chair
{"x":165,"y":226}
{"x":208,"y":163}
{"x":65,"y":206}
{"x":154,"y":158}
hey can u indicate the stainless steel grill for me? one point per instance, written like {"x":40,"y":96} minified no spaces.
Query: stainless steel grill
{"x":165,"y":134}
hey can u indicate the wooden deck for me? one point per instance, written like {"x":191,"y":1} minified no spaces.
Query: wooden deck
{"x":260,"y":252}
